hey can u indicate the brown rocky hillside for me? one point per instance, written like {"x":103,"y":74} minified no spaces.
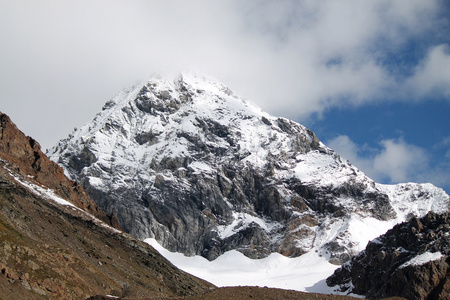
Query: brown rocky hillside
{"x":58,"y":252}
{"x":25,"y":154}
{"x":54,"y":251}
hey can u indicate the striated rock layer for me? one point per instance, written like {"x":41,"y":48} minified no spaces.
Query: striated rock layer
{"x":412,"y":260}
{"x":204,"y":171}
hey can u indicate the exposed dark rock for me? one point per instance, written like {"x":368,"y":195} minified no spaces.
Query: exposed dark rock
{"x":85,"y":159}
{"x":411,"y":261}
{"x":146,"y":137}
{"x":266,"y":121}
{"x":152,"y":101}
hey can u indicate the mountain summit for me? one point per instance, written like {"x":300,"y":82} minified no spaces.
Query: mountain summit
{"x":204,"y":171}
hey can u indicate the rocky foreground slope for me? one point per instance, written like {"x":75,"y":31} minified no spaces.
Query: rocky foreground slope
{"x":25,"y":154}
{"x":411,"y":260}
{"x":53,"y":248}
{"x":186,"y":161}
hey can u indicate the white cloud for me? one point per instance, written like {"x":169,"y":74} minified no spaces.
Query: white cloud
{"x":445,"y":143}
{"x":331,"y":53}
{"x":61,"y":60}
{"x":395,"y":161}
{"x":400,"y":161}
{"x":432,"y":75}
{"x":349,"y":150}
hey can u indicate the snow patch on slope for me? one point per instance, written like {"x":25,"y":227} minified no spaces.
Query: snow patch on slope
{"x":422,"y":259}
{"x":242,"y":221}
{"x":326,"y":170}
{"x":305,"y":273}
{"x":50,"y":195}
{"x":404,"y":198}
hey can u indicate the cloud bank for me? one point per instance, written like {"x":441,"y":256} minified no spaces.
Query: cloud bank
{"x":61,"y":60}
{"x":393,"y":161}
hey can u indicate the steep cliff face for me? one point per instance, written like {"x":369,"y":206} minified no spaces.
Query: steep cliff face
{"x":411,"y":260}
{"x":204,"y":171}
{"x":54,"y":247}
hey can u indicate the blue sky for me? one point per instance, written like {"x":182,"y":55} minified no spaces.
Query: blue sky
{"x":409,"y":142}
{"x":371,"y":78}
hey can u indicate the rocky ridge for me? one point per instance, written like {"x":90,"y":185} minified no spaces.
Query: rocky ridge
{"x":25,"y":154}
{"x":205,"y":171}
{"x":411,"y":260}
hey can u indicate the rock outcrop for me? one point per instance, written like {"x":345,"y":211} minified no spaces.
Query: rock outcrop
{"x":26,"y":155}
{"x":412,"y":260}
{"x":204,"y":171}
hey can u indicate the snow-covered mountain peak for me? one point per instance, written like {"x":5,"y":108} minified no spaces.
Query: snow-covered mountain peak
{"x":184,"y":160}
{"x":191,"y":116}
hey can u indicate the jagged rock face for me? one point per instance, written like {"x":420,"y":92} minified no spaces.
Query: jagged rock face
{"x":411,"y":261}
{"x":204,"y":171}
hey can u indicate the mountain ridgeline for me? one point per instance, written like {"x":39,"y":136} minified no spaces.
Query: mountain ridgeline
{"x":204,"y":171}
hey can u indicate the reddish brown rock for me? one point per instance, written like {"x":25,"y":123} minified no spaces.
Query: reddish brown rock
{"x":50,"y":251}
{"x":25,"y":153}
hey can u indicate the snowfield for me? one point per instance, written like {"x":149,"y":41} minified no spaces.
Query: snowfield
{"x":306,"y":273}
